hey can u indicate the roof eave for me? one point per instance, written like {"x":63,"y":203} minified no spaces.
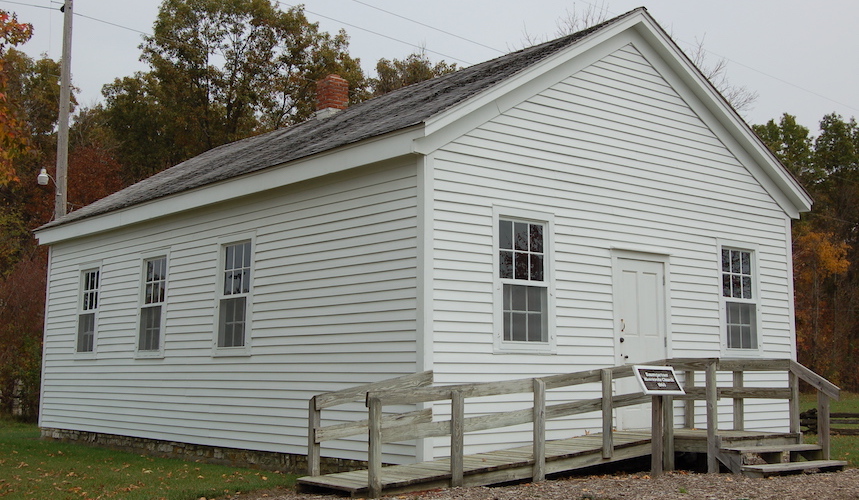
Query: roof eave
{"x":373,"y":150}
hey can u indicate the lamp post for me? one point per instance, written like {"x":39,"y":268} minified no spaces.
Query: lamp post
{"x":63,"y":120}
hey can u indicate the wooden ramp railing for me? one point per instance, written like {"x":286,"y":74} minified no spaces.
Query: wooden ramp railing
{"x":416,"y":389}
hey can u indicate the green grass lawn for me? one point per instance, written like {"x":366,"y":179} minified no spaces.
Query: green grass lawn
{"x":31,"y":468}
{"x":843,"y":447}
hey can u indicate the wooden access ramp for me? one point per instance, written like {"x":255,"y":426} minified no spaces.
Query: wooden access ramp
{"x":493,"y":467}
{"x":571,"y":455}
{"x":723,"y":447}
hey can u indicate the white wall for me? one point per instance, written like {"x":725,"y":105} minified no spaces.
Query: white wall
{"x":333,"y":306}
{"x":621,"y":161}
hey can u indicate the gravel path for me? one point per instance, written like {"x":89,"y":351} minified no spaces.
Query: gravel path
{"x":670,"y":486}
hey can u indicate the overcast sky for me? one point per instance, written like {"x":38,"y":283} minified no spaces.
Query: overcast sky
{"x":800,"y":59}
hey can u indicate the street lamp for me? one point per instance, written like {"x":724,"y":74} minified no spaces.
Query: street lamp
{"x":43,"y":177}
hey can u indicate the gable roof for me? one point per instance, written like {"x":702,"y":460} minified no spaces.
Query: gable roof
{"x":399,"y":110}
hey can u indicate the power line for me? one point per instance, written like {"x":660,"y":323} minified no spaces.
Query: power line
{"x":29,"y":4}
{"x":379,"y":34}
{"x":430,"y":27}
{"x":781,"y":80}
{"x":77,"y":14}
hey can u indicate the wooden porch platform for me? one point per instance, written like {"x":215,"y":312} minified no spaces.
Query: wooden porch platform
{"x":517,"y":464}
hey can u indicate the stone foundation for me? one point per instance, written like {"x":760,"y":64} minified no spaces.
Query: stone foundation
{"x":234,"y":457}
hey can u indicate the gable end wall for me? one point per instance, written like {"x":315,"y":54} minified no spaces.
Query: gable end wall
{"x":621,"y":162}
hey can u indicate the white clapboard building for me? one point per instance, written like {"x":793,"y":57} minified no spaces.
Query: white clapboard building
{"x":584,"y":203}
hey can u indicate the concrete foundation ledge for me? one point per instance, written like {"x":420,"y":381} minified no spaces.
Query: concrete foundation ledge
{"x":234,"y":457}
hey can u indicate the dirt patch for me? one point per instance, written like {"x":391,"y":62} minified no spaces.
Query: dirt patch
{"x":669,"y":486}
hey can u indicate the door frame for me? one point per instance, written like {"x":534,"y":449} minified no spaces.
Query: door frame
{"x":655,"y":257}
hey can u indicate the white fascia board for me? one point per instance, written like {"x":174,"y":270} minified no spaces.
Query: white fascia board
{"x":337,"y":160}
{"x":732,"y":129}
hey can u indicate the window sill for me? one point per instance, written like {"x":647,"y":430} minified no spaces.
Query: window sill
{"x":149,"y":355}
{"x":508,"y":347}
{"x":223,"y":352}
{"x":741,"y":353}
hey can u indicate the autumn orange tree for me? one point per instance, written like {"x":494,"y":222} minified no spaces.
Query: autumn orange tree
{"x":825,"y":242}
{"x":13,"y":138}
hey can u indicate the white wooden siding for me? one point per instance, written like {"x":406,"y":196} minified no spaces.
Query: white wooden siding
{"x":621,"y":161}
{"x":334,"y":303}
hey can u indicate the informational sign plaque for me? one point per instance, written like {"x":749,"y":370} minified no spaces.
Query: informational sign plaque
{"x":658,"y":380}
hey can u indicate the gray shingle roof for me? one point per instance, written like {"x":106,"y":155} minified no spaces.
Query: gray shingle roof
{"x":397,"y":110}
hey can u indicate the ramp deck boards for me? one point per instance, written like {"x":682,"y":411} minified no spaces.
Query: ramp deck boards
{"x":517,"y":463}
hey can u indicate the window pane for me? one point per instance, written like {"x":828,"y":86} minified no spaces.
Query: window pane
{"x":736,"y":287}
{"x":734,"y":337}
{"x":746,"y":258}
{"x":230,"y":258}
{"x":231,"y":328}
{"x":742,"y":325}
{"x":520,"y":297}
{"x":726,"y":260}
{"x":535,"y":328}
{"x":506,"y":265}
{"x":733,"y":309}
{"x":237,"y":270}
{"x":726,"y":285}
{"x":246,"y":280}
{"x":536,"y":238}
{"x":736,"y":265}
{"x":521,"y":235}
{"x":245,"y":259}
{"x":535,"y":299}
{"x":520,"y":325}
{"x":524,"y":313}
{"x":228,"y":283}
{"x":86,"y":332}
{"x":536,"y":267}
{"x":505,"y":234}
{"x":522,"y":265}
{"x":150,"y":328}
{"x":747,"y":287}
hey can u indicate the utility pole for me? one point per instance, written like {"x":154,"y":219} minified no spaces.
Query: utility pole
{"x":63,"y":121}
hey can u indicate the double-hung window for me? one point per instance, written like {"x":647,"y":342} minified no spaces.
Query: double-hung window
{"x":739,"y":298}
{"x":235,"y":292}
{"x":524,"y":280}
{"x":152,"y":305}
{"x":88,"y":312}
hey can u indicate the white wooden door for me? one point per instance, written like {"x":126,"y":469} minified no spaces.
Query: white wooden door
{"x":640,"y":328}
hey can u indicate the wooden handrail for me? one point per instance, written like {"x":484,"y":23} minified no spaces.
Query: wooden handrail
{"x":416,"y":389}
{"x":316,"y":433}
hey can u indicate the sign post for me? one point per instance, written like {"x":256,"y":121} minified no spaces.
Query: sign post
{"x":658,"y":381}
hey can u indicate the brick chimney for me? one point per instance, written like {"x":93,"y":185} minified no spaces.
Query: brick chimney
{"x":332,"y":95}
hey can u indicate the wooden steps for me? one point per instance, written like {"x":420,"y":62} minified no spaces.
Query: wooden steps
{"x":780,"y":459}
{"x":765,"y":470}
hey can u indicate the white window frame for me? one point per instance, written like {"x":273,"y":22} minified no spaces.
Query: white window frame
{"x":755,"y":300}
{"x":221,"y":296}
{"x":145,"y":259}
{"x":85,"y":307}
{"x":547,"y":220}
